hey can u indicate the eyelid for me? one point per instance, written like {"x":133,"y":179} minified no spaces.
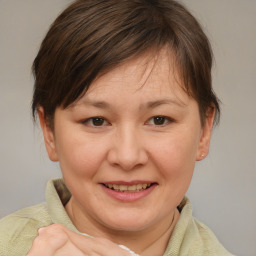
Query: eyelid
{"x":168,"y":120}
{"x":87,"y":120}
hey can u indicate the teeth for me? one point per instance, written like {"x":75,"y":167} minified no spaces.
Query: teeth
{"x":126,"y":188}
{"x":144,"y":186}
{"x":115,"y":187}
{"x":139,"y":186}
{"x":123,"y":188}
{"x":132,"y":188}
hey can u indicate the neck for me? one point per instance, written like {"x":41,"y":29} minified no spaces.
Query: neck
{"x":147,"y":242}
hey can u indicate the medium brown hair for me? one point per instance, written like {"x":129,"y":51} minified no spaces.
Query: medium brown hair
{"x":92,"y":37}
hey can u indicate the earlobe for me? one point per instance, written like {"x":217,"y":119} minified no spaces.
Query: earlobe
{"x":48,"y":134}
{"x":204,"y":144}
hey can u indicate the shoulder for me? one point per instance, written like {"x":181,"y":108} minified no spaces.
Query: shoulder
{"x":205,"y":241}
{"x":18,"y":230}
{"x":193,"y":238}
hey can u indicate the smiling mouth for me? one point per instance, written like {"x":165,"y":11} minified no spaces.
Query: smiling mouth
{"x":129,"y":188}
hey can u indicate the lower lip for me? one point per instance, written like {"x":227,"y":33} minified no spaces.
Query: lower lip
{"x":128,"y":196}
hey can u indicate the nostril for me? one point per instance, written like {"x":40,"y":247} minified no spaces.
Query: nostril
{"x":127,"y":158}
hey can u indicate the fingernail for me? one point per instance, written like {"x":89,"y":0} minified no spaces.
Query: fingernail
{"x":41,"y":229}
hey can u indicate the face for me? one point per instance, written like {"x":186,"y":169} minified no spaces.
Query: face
{"x":127,"y":149}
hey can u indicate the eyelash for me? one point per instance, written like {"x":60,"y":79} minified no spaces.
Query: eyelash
{"x":167,"y":120}
{"x":91,"y":119}
{"x":103,"y":122}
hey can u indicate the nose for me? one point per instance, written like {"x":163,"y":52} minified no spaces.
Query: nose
{"x":127,"y":150}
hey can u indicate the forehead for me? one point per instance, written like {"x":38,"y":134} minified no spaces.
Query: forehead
{"x":151,"y":75}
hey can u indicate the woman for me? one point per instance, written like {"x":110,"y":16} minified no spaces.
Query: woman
{"x":124,"y":98}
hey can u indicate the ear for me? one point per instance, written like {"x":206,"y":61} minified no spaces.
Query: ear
{"x":48,"y":134}
{"x":204,"y":144}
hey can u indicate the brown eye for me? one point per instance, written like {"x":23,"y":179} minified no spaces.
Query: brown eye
{"x":159,"y":120}
{"x":97,"y":121}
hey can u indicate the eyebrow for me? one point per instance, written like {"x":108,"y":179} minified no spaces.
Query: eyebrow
{"x":150,"y":104}
{"x":156,"y":103}
{"x":97,"y":104}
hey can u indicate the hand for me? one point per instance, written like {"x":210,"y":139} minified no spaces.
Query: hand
{"x":57,"y":240}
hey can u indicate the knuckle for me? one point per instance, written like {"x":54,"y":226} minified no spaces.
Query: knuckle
{"x":54,"y":228}
{"x":51,"y":230}
{"x":53,"y":235}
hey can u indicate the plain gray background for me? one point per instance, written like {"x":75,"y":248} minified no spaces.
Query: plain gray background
{"x":223,"y":190}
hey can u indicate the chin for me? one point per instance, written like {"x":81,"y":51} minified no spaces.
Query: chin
{"x":128,"y":224}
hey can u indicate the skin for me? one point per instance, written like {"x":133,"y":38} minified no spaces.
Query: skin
{"x":57,"y":240}
{"x":129,"y":144}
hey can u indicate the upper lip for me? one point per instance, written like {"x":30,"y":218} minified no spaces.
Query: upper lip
{"x":129,"y":183}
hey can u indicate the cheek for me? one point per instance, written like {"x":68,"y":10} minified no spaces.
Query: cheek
{"x":175,"y":165}
{"x":175,"y":158}
{"x":80,"y":158}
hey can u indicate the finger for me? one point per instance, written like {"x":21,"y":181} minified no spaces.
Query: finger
{"x":56,"y":240}
{"x":96,"y":246}
{"x":49,"y":240}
